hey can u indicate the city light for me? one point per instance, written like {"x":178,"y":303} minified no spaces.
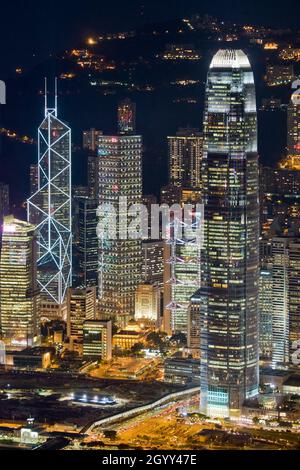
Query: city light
{"x":150,"y":232}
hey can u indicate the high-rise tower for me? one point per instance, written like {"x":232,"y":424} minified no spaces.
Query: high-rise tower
{"x":50,"y":207}
{"x":230,"y":261}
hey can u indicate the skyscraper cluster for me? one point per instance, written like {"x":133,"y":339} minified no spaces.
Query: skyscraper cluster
{"x":228,"y":298}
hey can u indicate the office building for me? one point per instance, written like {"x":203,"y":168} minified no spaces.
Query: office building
{"x":4,"y":206}
{"x":90,"y":139}
{"x":193,"y":325}
{"x":50,"y":207}
{"x":126,"y":339}
{"x":182,"y":371}
{"x":119,"y":171}
{"x":153,"y":261}
{"x":265,"y":309}
{"x":126,"y":117}
{"x":185,"y":156}
{"x":34,"y":178}
{"x":81,"y":307}
{"x":97,"y":340}
{"x":88,"y":242}
{"x":19,"y":295}
{"x":147,"y":302}
{"x":285,"y":298}
{"x":279,"y":74}
{"x":230,"y":255}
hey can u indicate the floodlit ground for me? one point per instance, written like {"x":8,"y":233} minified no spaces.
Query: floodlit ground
{"x":178,"y":426}
{"x":48,"y":398}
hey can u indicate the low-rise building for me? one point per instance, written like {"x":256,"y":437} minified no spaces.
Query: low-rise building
{"x":182,"y":371}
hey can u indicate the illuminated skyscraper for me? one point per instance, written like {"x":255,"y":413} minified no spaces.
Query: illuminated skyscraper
{"x":185,"y":155}
{"x":4,"y":200}
{"x":229,"y":261}
{"x":19,"y":296}
{"x":81,"y":307}
{"x":4,"y":206}
{"x":193,"y":327}
{"x":50,"y":207}
{"x":119,"y":171}
{"x":88,"y":242}
{"x":126,"y":117}
{"x":147,"y":302}
{"x":34,"y":178}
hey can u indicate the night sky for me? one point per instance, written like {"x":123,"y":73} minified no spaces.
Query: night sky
{"x":30,"y":27}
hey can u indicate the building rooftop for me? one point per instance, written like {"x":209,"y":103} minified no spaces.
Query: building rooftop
{"x":293,"y":381}
{"x":230,"y":58}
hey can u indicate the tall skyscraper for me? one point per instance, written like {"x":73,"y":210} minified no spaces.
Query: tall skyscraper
{"x":119,"y":171}
{"x":181,"y":276}
{"x":147,"y":302}
{"x":229,"y":261}
{"x":126,"y":117}
{"x":50,"y":207}
{"x":4,"y":206}
{"x":293,"y":133}
{"x":34,"y":178}
{"x":185,"y":156}
{"x":88,"y":242}
{"x":265,"y":307}
{"x":285,"y":298}
{"x":19,"y":295}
